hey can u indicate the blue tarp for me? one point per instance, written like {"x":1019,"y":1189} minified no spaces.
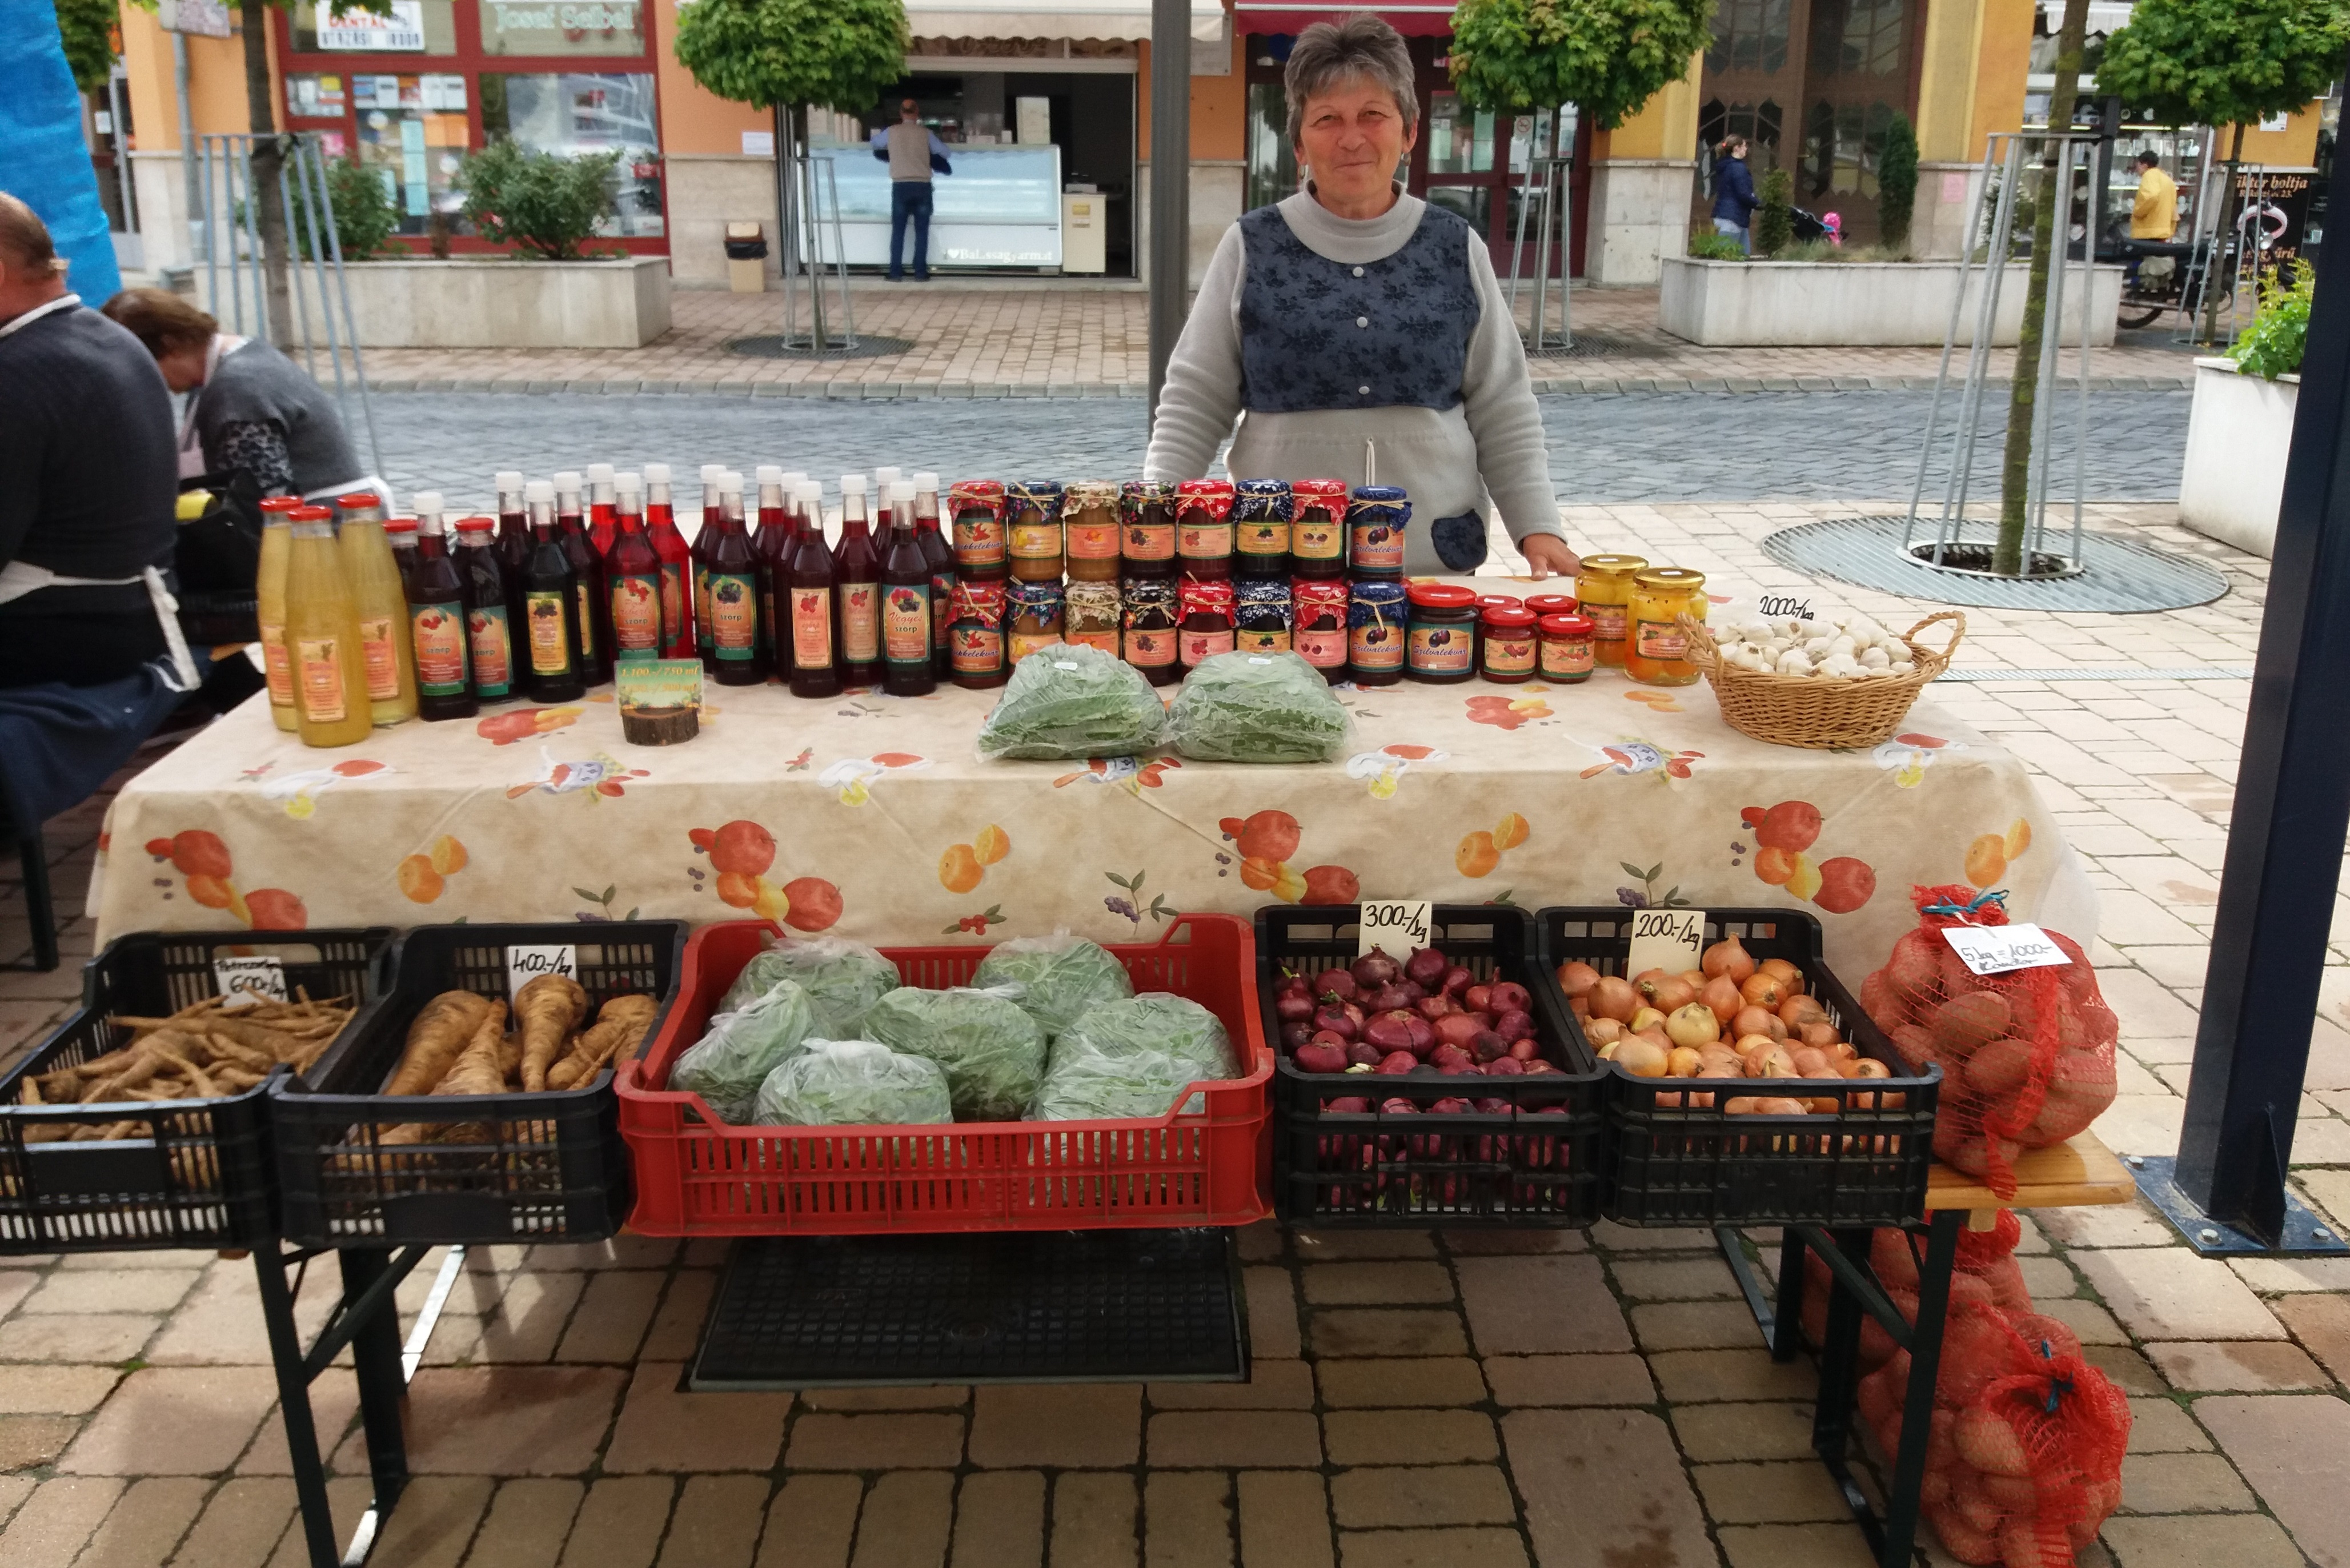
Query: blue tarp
{"x":43,"y":159}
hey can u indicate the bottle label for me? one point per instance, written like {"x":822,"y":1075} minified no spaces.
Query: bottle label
{"x":1315,"y":538}
{"x":1150,"y":650}
{"x":438,"y":632}
{"x":550,"y":637}
{"x":978,"y":540}
{"x":1565,"y":658}
{"x":673,"y":605}
{"x":1105,"y":640}
{"x":1148,"y":541}
{"x":702,"y":607}
{"x":1025,"y":643}
{"x":906,"y":624}
{"x":1324,"y":649}
{"x":1036,"y":541}
{"x":1659,"y":639}
{"x":1262,"y":540}
{"x":1512,"y":654}
{"x":1198,"y":647}
{"x":811,"y":629}
{"x":1204,"y":540}
{"x":277,"y":666}
{"x":636,"y":614}
{"x":734,"y":615}
{"x":586,"y":597}
{"x":1608,"y":621}
{"x":1089,"y":540}
{"x":860,"y":623}
{"x":382,"y":657}
{"x":1374,"y":647}
{"x":493,"y":651}
{"x":978,"y":648}
{"x":943,"y":585}
{"x":1377,"y":547}
{"x":1274,"y":641}
{"x":1441,"y":650}
{"x":320,"y":662}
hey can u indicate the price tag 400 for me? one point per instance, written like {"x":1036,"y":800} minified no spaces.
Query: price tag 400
{"x":1396,"y":926}
{"x":2000,"y":950}
{"x":1669,"y":939}
{"x":524,"y":964}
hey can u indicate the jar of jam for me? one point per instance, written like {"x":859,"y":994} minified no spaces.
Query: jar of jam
{"x":1659,"y":650}
{"x":1566,"y":647}
{"x":1089,"y":531}
{"x":1203,"y":527}
{"x":1443,"y":633}
{"x":1376,"y":521}
{"x":1147,"y":528}
{"x":1261,"y":512}
{"x":1090,"y":615}
{"x":1318,"y":612}
{"x":1377,"y":625}
{"x":977,"y":507}
{"x":1206,"y":627}
{"x":1260,"y":615}
{"x":1150,"y":635}
{"x":1604,"y":589}
{"x":1553,"y":604}
{"x":1034,"y":610}
{"x":1032,"y":529}
{"x":1317,"y":528}
{"x":975,"y":634}
{"x":1510,"y":648}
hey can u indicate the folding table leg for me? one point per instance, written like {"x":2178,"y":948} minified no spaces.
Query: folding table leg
{"x":375,"y":1357}
{"x":1787,"y":1313}
{"x":286,"y":1355}
{"x":1917,"y":1403}
{"x":1839,"y":1358}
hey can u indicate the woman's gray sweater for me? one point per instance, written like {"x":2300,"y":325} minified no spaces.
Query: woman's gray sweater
{"x":1482,"y":452}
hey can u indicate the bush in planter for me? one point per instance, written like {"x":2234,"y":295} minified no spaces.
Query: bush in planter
{"x":1897,"y":183}
{"x":1711,"y":245}
{"x":2273,"y":346}
{"x":1774,"y":220}
{"x":542,"y":202}
{"x":360,"y":203}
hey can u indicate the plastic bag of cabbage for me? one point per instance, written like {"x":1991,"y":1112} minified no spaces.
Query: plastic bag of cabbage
{"x":853,"y":1082}
{"x":1072,"y":700}
{"x":993,"y":1053}
{"x":742,"y":1046}
{"x":843,"y":980}
{"x":1257,"y":708}
{"x":1131,"y":1059}
{"x":1059,"y":976}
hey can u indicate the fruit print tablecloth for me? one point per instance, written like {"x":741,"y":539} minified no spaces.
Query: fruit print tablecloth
{"x":874,"y":817}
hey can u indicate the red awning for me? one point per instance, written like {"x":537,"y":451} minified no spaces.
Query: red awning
{"x":1412,"y":21}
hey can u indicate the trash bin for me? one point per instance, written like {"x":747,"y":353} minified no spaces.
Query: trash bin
{"x":746,"y":255}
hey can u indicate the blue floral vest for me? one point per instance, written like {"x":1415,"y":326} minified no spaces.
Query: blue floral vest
{"x":1317,"y":334}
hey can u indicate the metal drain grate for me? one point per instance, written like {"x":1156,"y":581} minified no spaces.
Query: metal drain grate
{"x":2118,"y":576}
{"x":2100,"y":673}
{"x":1592,"y":346}
{"x":869,"y":346}
{"x":1079,"y":1306}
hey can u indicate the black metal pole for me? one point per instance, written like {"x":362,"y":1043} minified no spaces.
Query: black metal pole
{"x":2291,"y":814}
{"x":1170,"y":181}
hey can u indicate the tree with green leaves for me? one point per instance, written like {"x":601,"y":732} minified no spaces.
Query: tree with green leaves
{"x":88,"y":28}
{"x":1607,"y":57}
{"x":1897,"y":183}
{"x":1775,"y":213}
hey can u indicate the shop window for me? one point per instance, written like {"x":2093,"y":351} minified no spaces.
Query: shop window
{"x":575,"y":114}
{"x":1749,"y":36}
{"x":1760,"y":124}
{"x":412,"y":133}
{"x":1272,"y":162}
{"x":410,"y":27}
{"x":1841,"y":145}
{"x":1460,"y":140}
{"x":1859,"y":38}
{"x":1474,"y":202}
{"x":541,"y":28}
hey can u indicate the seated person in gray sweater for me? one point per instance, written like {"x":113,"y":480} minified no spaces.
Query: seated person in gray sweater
{"x":253,"y":411}
{"x":1352,"y":313}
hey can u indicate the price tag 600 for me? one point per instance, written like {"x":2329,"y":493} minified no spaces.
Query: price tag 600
{"x":1667,"y":939}
{"x":524,"y":964}
{"x":243,"y":980}
{"x":1998,"y":949}
{"x":1396,"y":927}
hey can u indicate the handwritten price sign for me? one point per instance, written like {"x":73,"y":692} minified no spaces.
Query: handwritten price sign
{"x":1667,"y":939}
{"x":524,"y":964}
{"x":1396,"y":926}
{"x":246,"y":981}
{"x":1999,"y":950}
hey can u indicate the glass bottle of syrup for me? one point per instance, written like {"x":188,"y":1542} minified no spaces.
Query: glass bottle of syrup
{"x":399,"y":532}
{"x":436,"y":623}
{"x":734,"y":593}
{"x":600,"y":507}
{"x":632,"y":575}
{"x":771,"y":547}
{"x":382,"y":605}
{"x":906,"y":609}
{"x":269,"y":593}
{"x":856,"y":588}
{"x":592,"y":637}
{"x":322,"y":632}
{"x":489,"y":637}
{"x":676,"y":566}
{"x":550,"y":595}
{"x":815,"y":643}
{"x":705,"y":535}
{"x":940,"y":557}
{"x":513,"y":546}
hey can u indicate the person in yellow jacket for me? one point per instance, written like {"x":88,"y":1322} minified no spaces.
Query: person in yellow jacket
{"x":2155,"y":212}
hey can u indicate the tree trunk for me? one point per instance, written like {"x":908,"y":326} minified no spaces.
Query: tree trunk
{"x":2220,"y":232}
{"x":2015,"y":473}
{"x":267,"y":195}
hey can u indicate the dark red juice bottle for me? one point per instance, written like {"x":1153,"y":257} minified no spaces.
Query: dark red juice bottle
{"x":550,"y":593}
{"x":676,"y":566}
{"x":814,"y":641}
{"x":489,"y":638}
{"x":906,"y":608}
{"x":436,"y":623}
{"x":856,"y":588}
{"x":512,"y":551}
{"x":632,"y":575}
{"x":772,"y":546}
{"x":932,"y":542}
{"x":705,"y":535}
{"x":734,"y":644}
{"x":591,"y":633}
{"x":601,"y":508}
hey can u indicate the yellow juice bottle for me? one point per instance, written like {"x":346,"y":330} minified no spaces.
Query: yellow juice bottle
{"x":277,"y":543}
{"x":383,"y":607}
{"x":322,"y":634}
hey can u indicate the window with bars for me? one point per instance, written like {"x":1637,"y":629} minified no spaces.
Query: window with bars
{"x":1842,"y":143}
{"x":1750,"y":36}
{"x":1859,"y":38}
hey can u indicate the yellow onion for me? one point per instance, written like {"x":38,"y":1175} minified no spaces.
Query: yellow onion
{"x":1730,"y":959}
{"x":1693,"y":1025}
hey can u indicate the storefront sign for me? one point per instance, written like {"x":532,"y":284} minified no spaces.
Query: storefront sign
{"x":561,"y":26}
{"x":356,"y":31}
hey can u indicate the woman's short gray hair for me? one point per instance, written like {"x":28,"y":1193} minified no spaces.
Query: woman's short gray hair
{"x":1360,"y":48}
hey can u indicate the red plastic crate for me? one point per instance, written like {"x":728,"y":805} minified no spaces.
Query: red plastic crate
{"x":697,"y":1175}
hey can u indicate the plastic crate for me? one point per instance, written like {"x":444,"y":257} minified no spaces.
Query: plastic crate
{"x":1538,"y":1164}
{"x":1676,"y":1165}
{"x":197,"y":1172}
{"x":553,"y":1167}
{"x":697,"y":1175}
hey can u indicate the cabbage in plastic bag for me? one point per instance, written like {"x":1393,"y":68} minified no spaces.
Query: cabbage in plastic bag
{"x":1074,"y":701}
{"x":853,"y":1082}
{"x":1132,"y":1058}
{"x":843,"y":978}
{"x":742,"y":1046}
{"x":1257,"y":708}
{"x":1061,"y":976}
{"x":992,"y":1051}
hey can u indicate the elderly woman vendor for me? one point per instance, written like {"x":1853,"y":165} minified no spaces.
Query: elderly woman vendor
{"x":1351,"y":312}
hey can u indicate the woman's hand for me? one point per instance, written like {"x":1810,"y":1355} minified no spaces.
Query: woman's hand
{"x":1548,"y":555}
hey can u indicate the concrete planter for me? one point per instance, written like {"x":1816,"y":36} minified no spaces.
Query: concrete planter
{"x":501,"y":303}
{"x":2237,"y":436}
{"x":1721,"y":304}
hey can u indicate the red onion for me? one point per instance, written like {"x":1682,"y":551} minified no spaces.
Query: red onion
{"x":1376,"y":969}
{"x":1426,"y":965}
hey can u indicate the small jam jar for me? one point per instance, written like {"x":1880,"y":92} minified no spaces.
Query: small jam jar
{"x":1376,"y":628}
{"x":1566,"y":647}
{"x":1376,"y":521}
{"x":1317,"y":528}
{"x":1605,"y":587}
{"x":1509,"y":648}
{"x":1658,"y":653}
{"x":1443,"y":644}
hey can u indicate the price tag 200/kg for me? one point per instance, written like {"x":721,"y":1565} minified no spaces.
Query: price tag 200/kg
{"x":1669,"y":939}
{"x":1999,"y":950}
{"x":524,"y":964}
{"x":1396,"y":926}
{"x":246,"y":980}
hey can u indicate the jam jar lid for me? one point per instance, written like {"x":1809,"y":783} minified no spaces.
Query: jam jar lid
{"x":1146,"y":491}
{"x":1379,"y":495}
{"x":1614,"y":565}
{"x":1500,"y":601}
{"x":1330,"y":487}
{"x":1552,"y":604}
{"x":1674,"y":579}
{"x":1566,"y":625}
{"x":1083,"y":495}
{"x":1443,"y":595}
{"x":1189,"y":487}
{"x":1508,"y":616}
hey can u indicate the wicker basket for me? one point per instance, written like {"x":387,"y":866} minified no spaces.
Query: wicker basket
{"x":1815,"y":713}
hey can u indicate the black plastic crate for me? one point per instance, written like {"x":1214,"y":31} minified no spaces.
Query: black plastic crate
{"x":1675,"y":1165}
{"x":191,"y":1172}
{"x":1540,"y":1164}
{"x":552,"y":1169}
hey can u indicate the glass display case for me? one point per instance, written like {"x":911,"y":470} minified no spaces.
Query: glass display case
{"x":999,"y":208}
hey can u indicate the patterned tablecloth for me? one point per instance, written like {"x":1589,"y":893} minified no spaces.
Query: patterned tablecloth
{"x":874,"y":817}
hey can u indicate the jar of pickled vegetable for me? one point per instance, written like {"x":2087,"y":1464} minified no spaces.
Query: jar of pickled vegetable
{"x":1566,"y":649}
{"x":1507,"y":651}
{"x":1657,"y":653}
{"x":1605,"y":587}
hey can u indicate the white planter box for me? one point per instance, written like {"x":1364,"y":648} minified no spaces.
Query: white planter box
{"x":1722,"y":304}
{"x":2237,"y":433}
{"x":495,"y":302}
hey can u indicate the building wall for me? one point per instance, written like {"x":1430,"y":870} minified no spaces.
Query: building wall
{"x":1640,"y":181}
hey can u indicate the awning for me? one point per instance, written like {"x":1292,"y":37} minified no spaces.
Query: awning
{"x":2105,"y":16}
{"x":1052,"y":19}
{"x":1273,"y":16}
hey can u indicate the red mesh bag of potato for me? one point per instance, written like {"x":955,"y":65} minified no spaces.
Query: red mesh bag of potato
{"x":1988,"y":1256}
{"x":2027,"y":1057}
{"x":2047,"y":1442}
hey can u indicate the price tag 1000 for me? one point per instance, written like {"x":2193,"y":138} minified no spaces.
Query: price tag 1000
{"x":1999,"y":950}
{"x":524,"y":964}
{"x":1669,"y":939}
{"x":243,"y":980}
{"x":1396,"y":926}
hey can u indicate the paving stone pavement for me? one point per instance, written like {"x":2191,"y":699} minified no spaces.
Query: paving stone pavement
{"x":1449,"y":1401}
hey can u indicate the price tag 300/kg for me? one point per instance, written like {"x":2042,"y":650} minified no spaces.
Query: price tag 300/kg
{"x":1396,"y":926}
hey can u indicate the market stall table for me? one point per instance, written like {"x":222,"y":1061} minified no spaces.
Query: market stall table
{"x":874,"y":817}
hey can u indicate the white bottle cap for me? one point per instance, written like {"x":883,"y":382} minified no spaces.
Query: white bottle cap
{"x":426,"y":503}
{"x":656,"y":474}
{"x":902,"y":493}
{"x":926,"y":480}
{"x":508,"y":481}
{"x":709,"y":473}
{"x":630,"y":483}
{"x":567,"y":482}
{"x":794,"y":479}
{"x":538,"y":491}
{"x":886,"y":477}
{"x":852,"y":485}
{"x":729,"y":483}
{"x":599,"y":473}
{"x":770,"y":474}
{"x":812,"y":491}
